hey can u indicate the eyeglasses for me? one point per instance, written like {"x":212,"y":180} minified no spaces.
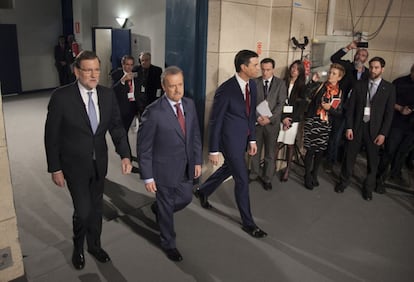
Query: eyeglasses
{"x":90,"y":71}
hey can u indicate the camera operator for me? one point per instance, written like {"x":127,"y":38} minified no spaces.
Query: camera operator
{"x":401,"y":138}
{"x":354,"y":71}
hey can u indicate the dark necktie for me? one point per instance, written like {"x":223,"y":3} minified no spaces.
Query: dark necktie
{"x":247,"y":99}
{"x":266,"y":88}
{"x":366,"y":118}
{"x":180,"y":117}
{"x":92,"y":113}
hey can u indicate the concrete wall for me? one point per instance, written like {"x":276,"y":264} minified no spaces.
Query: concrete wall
{"x":11,"y":260}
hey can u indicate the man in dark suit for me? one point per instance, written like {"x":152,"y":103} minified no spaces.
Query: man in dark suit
{"x":272,"y":90}
{"x":79,"y":115}
{"x":170,"y":154}
{"x":354,"y":71}
{"x":127,"y":89}
{"x":149,"y":78}
{"x":368,"y":120}
{"x":232,"y":129}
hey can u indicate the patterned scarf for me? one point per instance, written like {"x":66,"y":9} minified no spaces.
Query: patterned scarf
{"x":332,"y":91}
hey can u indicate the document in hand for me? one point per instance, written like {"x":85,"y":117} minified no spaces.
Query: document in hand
{"x":335,"y":102}
{"x":263,"y":109}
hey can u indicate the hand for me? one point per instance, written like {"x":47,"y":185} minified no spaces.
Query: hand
{"x":326,"y":106}
{"x":126,"y":166}
{"x":263,"y":120}
{"x":406,"y":110}
{"x":287,"y":123}
{"x":349,"y":134}
{"x":252,"y":149}
{"x":127,"y":76}
{"x":352,"y":45}
{"x":214,"y":159}
{"x":379,"y":140}
{"x":197,"y":171}
{"x":151,"y":187}
{"x":58,"y":178}
{"x":315,"y":76}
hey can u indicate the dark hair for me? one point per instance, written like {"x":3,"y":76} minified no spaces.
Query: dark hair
{"x":268,"y":60}
{"x":127,"y":57}
{"x":338,"y":67}
{"x":378,"y":59}
{"x":84,"y":55}
{"x":243,"y":58}
{"x":171,"y":70}
{"x":301,"y":80}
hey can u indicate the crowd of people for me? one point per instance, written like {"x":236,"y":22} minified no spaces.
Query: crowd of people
{"x":354,"y":108}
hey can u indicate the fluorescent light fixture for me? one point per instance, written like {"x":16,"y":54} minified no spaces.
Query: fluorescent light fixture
{"x":121,"y":21}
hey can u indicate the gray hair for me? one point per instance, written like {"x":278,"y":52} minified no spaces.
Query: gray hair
{"x":171,"y":70}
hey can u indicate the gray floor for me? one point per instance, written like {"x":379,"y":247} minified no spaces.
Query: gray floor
{"x":313,"y":235}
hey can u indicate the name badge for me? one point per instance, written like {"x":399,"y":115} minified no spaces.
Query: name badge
{"x":131,"y":96}
{"x":287,"y":109}
{"x":142,"y":89}
{"x":367,"y":111}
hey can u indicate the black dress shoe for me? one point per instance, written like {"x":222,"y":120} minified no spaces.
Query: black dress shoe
{"x":174,"y":254}
{"x":78,"y":259}
{"x":315,"y":181}
{"x":339,"y":188}
{"x":380,"y":189}
{"x":367,"y":195}
{"x":154,"y":209}
{"x":100,"y":255}
{"x":203,"y":199}
{"x":254,"y":231}
{"x":267,"y":186}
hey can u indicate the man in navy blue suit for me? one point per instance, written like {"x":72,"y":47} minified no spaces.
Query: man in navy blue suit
{"x":232,"y":129}
{"x":169,"y":154}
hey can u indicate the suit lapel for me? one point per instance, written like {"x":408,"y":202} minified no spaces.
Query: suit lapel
{"x":81,"y":105}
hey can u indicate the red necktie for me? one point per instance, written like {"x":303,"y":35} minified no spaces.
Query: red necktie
{"x":247,"y":99}
{"x":180,"y":117}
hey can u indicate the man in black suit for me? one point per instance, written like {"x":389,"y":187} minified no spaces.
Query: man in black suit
{"x":127,"y":89}
{"x":272,"y":90}
{"x":149,"y":77}
{"x":79,"y":115}
{"x":231,"y":131}
{"x":354,"y":71}
{"x":170,"y":154}
{"x":368,"y":120}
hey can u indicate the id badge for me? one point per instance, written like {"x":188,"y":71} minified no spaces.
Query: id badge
{"x":142,"y":89}
{"x":287,"y":109}
{"x":367,"y":111}
{"x":131,"y":96}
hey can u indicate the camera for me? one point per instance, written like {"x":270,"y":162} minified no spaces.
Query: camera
{"x":362,"y":44}
{"x":135,"y":74}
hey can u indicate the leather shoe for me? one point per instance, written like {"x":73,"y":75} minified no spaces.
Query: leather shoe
{"x":173,"y":254}
{"x":135,"y":170}
{"x":267,"y":186}
{"x":203,"y":199}
{"x":78,"y":259}
{"x":367,"y":195}
{"x":380,"y":189}
{"x":100,"y":255}
{"x":254,"y":231}
{"x":339,"y":188}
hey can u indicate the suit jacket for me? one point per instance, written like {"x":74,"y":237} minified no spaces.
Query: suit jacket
{"x":69,"y":141}
{"x":230,"y":128}
{"x":164,"y":153}
{"x":276,"y":99}
{"x":122,"y":90}
{"x":382,"y":108}
{"x":153,"y":81}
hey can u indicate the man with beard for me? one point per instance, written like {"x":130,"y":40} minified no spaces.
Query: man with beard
{"x":368,"y":120}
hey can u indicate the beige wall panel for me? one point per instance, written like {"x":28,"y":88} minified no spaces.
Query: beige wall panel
{"x":375,"y":8}
{"x":262,"y":27}
{"x":237,"y":20}
{"x":226,"y":66}
{"x":302,"y":23}
{"x":402,"y":64}
{"x":387,"y":37}
{"x":212,"y":74}
{"x":9,"y":238}
{"x":6,"y":200}
{"x":342,"y":23}
{"x":320,"y":28}
{"x":407,"y":8}
{"x":267,"y":3}
{"x":405,"y":39}
{"x":304,"y":4}
{"x":322,"y":6}
{"x":281,"y":59}
{"x":213,"y":36}
{"x":280,"y":32}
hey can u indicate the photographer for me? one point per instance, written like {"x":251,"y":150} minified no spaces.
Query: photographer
{"x":401,"y":137}
{"x":354,"y":71}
